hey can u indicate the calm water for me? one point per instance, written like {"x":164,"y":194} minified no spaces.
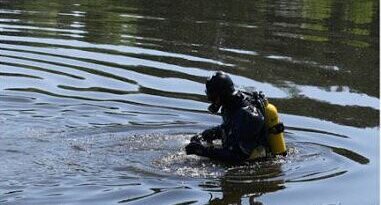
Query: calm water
{"x":98,"y":99}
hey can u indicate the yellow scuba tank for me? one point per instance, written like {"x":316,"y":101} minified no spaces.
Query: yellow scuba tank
{"x":275,"y":128}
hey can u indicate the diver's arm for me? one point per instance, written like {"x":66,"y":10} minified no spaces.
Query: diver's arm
{"x":221,"y":154}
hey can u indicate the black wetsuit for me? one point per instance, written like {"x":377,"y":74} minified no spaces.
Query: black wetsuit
{"x":242,"y":130}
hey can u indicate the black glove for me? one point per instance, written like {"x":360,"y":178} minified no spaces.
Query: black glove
{"x":196,"y":138}
{"x":194,"y":148}
{"x":210,"y":134}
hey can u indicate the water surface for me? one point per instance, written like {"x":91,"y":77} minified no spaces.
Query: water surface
{"x":98,"y":99}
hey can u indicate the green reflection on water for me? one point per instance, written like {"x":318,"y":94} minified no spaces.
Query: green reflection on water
{"x":361,"y":12}
{"x":314,"y":34}
{"x":317,"y":9}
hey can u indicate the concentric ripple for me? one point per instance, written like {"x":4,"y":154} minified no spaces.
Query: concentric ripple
{"x":99,"y":98}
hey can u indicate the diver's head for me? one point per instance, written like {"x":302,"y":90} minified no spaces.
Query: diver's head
{"x":219,"y":89}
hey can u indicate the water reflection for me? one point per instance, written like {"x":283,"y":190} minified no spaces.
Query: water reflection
{"x":319,"y":45}
{"x":101,"y":67}
{"x":248,"y":183}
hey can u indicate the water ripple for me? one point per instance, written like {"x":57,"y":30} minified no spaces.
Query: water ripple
{"x":99,"y":98}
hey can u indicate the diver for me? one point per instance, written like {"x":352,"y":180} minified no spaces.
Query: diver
{"x":243,"y":132}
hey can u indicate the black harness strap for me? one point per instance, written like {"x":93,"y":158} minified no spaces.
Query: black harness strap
{"x":276,"y":129}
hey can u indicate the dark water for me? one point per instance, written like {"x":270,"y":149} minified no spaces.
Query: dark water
{"x":98,"y":99}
